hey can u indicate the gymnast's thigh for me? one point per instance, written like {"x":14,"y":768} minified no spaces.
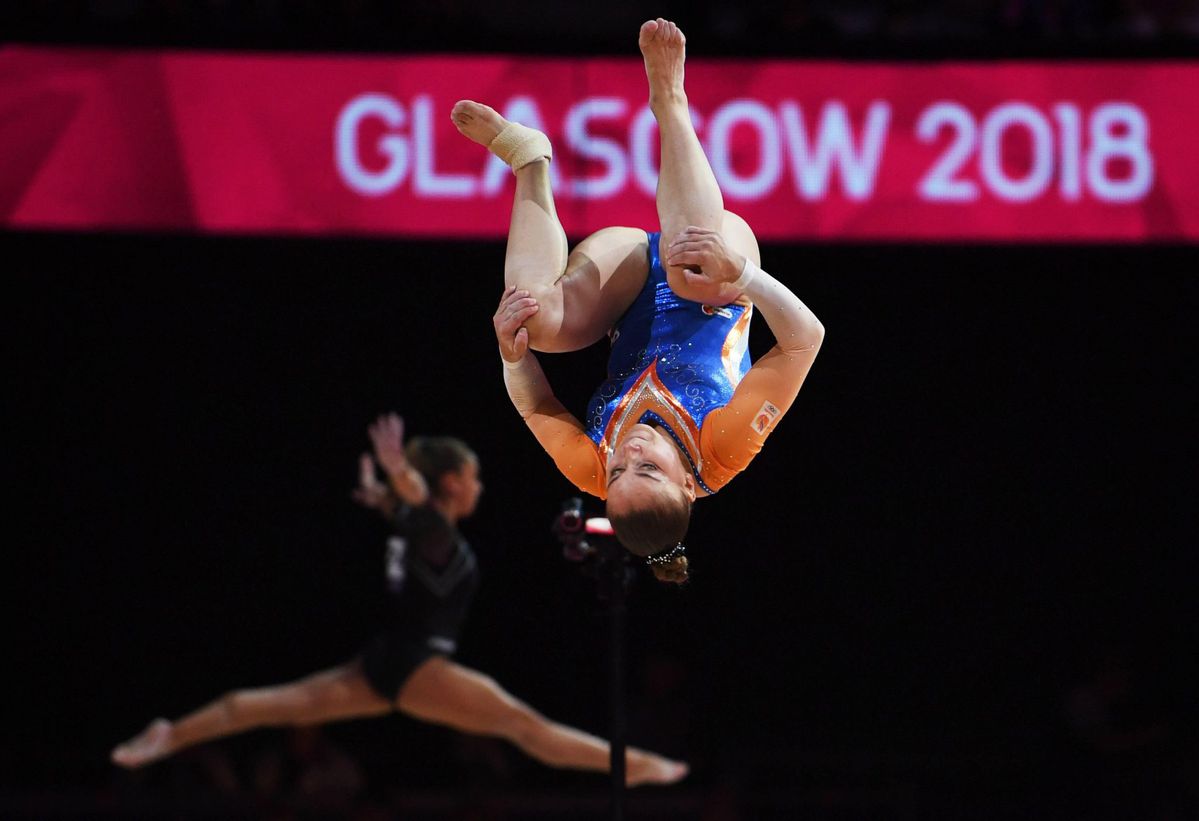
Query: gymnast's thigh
{"x":738,"y":236}
{"x":604,"y":274}
{"x":443,"y":692}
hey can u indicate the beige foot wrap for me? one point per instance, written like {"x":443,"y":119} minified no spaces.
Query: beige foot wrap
{"x":519,"y":145}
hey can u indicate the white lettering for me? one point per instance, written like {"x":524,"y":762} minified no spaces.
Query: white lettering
{"x":521,"y":110}
{"x":345,"y":140}
{"x":769,"y":161}
{"x":858,"y":166}
{"x":643,"y":137}
{"x":426,"y":180}
{"x":592,"y":147}
{"x":379,"y":140}
{"x":939,"y":183}
{"x":1068,"y":121}
{"x":1040,"y":171}
{"x":1119,"y":131}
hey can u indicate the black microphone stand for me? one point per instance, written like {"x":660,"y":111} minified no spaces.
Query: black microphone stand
{"x":591,"y":543}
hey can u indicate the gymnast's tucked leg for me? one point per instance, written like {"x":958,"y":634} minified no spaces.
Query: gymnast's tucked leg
{"x":579,"y":295}
{"x":688,"y":194}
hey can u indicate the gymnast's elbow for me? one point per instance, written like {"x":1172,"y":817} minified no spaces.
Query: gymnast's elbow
{"x":806,"y":336}
{"x":815,"y":328}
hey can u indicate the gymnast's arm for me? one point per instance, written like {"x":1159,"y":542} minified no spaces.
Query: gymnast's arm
{"x":772,"y":384}
{"x":554,"y":427}
{"x":387,"y":438}
{"x":371,"y":493}
{"x":796,"y":329}
{"x":403,"y":500}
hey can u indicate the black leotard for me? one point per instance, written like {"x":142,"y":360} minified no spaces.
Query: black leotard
{"x":432,"y":576}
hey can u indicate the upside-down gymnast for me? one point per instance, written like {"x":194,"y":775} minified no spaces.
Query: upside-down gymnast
{"x":681,"y":411}
{"x":432,"y":574}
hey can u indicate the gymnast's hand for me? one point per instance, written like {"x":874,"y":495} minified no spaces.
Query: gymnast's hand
{"x":372,"y":493}
{"x":515,"y":308}
{"x":387,"y":437}
{"x":698,"y":248}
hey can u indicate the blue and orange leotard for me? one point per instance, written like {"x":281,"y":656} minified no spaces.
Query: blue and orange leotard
{"x":678,"y":365}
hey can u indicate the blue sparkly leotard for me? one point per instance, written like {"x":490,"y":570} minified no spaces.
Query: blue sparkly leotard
{"x":684,"y":368}
{"x":672,"y":363}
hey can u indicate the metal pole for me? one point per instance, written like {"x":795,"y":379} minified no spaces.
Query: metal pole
{"x":616,"y":685}
{"x":592,"y":543}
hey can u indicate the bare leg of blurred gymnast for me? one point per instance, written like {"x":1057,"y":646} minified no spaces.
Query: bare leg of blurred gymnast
{"x":432,"y":484}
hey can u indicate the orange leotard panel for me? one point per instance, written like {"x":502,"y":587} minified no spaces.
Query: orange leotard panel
{"x":733,"y":435}
{"x":563,"y":437}
{"x":684,"y":368}
{"x":730,"y":438}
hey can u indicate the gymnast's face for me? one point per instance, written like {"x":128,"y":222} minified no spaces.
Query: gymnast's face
{"x":464,"y":486}
{"x":646,"y":464}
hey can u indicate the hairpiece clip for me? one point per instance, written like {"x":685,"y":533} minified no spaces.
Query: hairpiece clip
{"x":666,"y":556}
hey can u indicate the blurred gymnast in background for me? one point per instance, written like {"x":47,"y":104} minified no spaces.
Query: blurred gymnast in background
{"x":681,"y":411}
{"x":432,"y":575}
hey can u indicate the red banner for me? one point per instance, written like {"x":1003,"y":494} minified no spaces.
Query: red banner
{"x":101,"y":139}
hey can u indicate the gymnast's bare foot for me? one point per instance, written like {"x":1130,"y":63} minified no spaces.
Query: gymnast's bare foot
{"x":648,"y":768}
{"x":664,"y":47}
{"x":149,"y":745}
{"x":478,"y":122}
{"x":515,"y":144}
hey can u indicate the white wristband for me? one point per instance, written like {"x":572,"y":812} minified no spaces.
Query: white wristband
{"x":748,"y":272}
{"x":512,"y":366}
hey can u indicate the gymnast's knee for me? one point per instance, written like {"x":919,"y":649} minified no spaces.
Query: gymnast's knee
{"x":547,"y":332}
{"x":237,"y":706}
{"x":740,"y":236}
{"x":250,"y":708}
{"x":521,"y":725}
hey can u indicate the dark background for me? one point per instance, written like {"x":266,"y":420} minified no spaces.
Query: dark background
{"x":959,"y":582}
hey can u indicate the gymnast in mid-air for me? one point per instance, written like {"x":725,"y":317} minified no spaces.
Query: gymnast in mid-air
{"x":432,"y":575}
{"x":681,"y":411}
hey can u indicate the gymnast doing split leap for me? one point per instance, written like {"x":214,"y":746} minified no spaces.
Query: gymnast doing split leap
{"x":432,"y":574}
{"x":681,"y":411}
